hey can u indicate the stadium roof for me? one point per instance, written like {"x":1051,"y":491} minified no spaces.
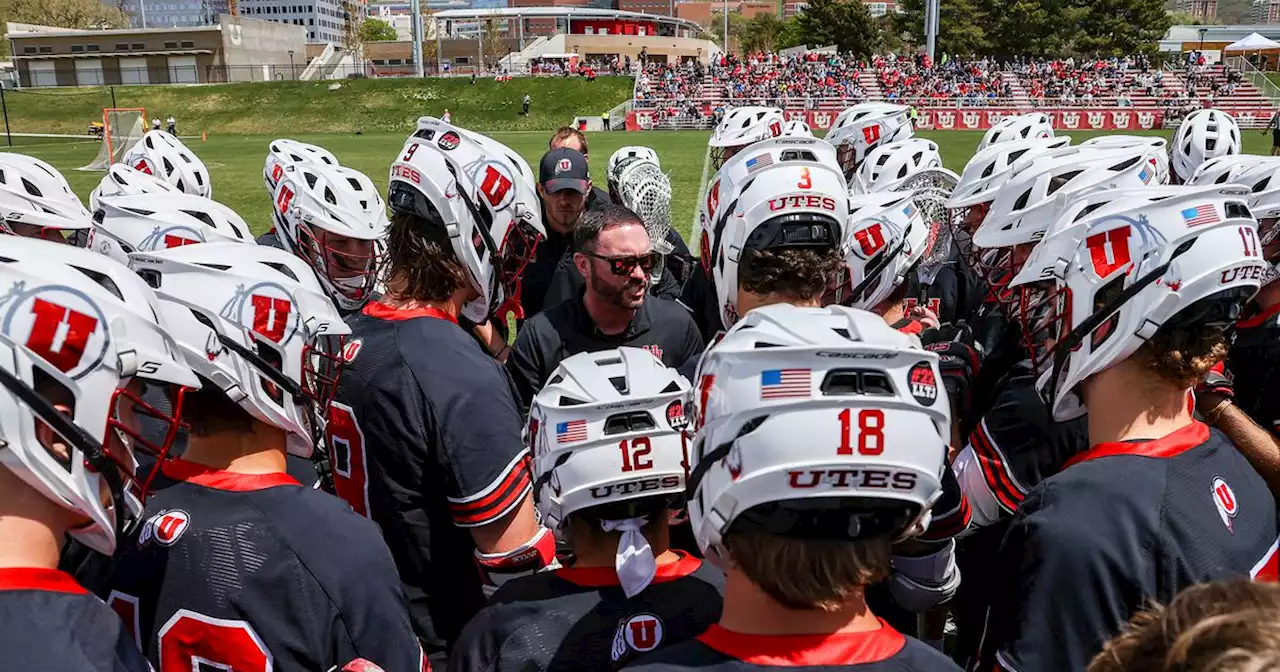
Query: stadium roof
{"x":1178,"y":35}
{"x":561,"y":13}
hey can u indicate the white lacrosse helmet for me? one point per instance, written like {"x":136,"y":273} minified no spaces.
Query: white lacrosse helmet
{"x":1203,"y":135}
{"x":80,"y":327}
{"x":593,"y":403}
{"x":1161,"y":158}
{"x":797,"y":128}
{"x":743,"y":126}
{"x":888,"y":166}
{"x":34,"y":194}
{"x":886,"y":238}
{"x":250,"y":320}
{"x":865,"y":126}
{"x":625,"y":156}
{"x":990,"y":168}
{"x":1032,"y":125}
{"x":160,"y":154}
{"x":334,"y":219}
{"x":1224,"y":169}
{"x":818,"y":423}
{"x":793,"y":200}
{"x":147,"y":222}
{"x":124,"y":180}
{"x":483,"y":195}
{"x":1029,"y":201}
{"x":1263,"y":181}
{"x":285,"y":152}
{"x":1118,"y":273}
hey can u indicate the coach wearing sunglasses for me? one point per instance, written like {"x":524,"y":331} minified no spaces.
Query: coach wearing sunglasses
{"x":613,"y":253}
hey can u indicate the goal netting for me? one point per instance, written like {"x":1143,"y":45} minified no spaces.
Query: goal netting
{"x":121,"y":128}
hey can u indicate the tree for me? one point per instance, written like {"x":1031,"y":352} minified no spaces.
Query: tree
{"x":492,"y":44}
{"x":962,"y":26}
{"x":762,"y":33}
{"x":1120,"y":27}
{"x":845,"y":23}
{"x":82,"y":14}
{"x":377,"y":30}
{"x":737,"y":22}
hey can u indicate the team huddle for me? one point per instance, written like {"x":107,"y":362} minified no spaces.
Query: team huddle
{"x":1007,"y":408}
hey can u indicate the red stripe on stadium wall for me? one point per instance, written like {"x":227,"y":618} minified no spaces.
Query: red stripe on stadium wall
{"x":998,"y":479}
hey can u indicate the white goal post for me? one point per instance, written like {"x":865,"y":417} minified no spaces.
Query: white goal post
{"x":122,"y":127}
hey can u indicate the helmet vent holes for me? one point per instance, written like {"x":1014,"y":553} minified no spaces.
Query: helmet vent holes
{"x":625,"y":423}
{"x":670,"y":388}
{"x":311,"y":180}
{"x":202,"y":216}
{"x":849,"y":382}
{"x":620,"y":384}
{"x":1237,"y":210}
{"x":570,"y":401}
{"x":117,"y":178}
{"x":1124,"y":164}
{"x":185,"y":157}
{"x":282,"y":269}
{"x":1022,"y":200}
{"x":199,"y":178}
{"x":1056,"y":183}
{"x":140,"y":211}
{"x":750,"y":426}
{"x":150,"y":143}
{"x":991,"y":167}
{"x":31,"y":188}
{"x":1088,"y":209}
{"x":105,"y":281}
{"x":216,"y":267}
{"x":355,"y":184}
{"x":329,"y":196}
{"x":1262,"y":184}
{"x":1210,"y":143}
{"x":168,"y":167}
{"x":364,"y":205}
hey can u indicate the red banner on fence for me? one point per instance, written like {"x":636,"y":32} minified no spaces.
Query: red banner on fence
{"x":969,"y":119}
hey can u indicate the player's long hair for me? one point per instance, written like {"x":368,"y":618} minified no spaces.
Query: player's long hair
{"x":807,"y":574}
{"x":1183,"y":356}
{"x":793,"y":273}
{"x":421,"y":264}
{"x":1224,"y":626}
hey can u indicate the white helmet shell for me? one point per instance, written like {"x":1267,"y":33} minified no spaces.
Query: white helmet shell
{"x":1203,"y":135}
{"x":865,"y":126}
{"x":797,"y":128}
{"x":627,"y":155}
{"x":84,"y":323}
{"x":148,"y":222}
{"x":886,"y":238}
{"x":34,"y":193}
{"x":1224,"y":169}
{"x":888,"y":166}
{"x":990,"y":168}
{"x":124,"y":180}
{"x":777,"y":423}
{"x":478,"y":190}
{"x":1033,"y":125}
{"x":251,"y":299}
{"x":161,"y":154}
{"x":608,"y":427}
{"x":743,"y":126}
{"x":1126,"y":141}
{"x":285,"y":152}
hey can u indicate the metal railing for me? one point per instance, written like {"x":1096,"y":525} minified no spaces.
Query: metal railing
{"x":1256,"y":77}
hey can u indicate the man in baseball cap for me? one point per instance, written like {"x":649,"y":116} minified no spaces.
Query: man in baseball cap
{"x":564,"y":185}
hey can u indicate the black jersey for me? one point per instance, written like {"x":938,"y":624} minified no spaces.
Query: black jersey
{"x":53,"y":623}
{"x":256,"y":572}
{"x":660,"y":326}
{"x":953,"y":294}
{"x":424,"y":438}
{"x":1122,"y":524}
{"x":1254,"y":361}
{"x":721,"y":650}
{"x":579,"y":619}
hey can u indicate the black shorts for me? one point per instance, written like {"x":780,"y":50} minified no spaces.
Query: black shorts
{"x":1275,"y":138}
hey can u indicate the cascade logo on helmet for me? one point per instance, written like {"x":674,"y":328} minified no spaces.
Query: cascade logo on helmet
{"x":802,"y":201}
{"x":449,"y":141}
{"x":59,"y":324}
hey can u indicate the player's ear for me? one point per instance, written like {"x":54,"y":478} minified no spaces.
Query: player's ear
{"x":583,"y":262}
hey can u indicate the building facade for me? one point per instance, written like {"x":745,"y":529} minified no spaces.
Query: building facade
{"x":324,"y":20}
{"x":1265,"y":11}
{"x":1200,"y":9}
{"x":173,"y":13}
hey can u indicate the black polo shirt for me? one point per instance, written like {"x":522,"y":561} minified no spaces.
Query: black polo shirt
{"x":660,"y":326}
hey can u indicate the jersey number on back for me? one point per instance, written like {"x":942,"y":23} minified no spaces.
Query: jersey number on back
{"x":346,"y":455}
{"x":193,"y":641}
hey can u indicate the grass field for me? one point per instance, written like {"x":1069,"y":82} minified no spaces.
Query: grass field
{"x":235,"y":162}
{"x":282,"y":108}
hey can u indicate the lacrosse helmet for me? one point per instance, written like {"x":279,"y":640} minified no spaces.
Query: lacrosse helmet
{"x":1031,"y":125}
{"x":797,"y":128}
{"x":865,"y":126}
{"x":1159,"y":144}
{"x":607,"y":438}
{"x":125,"y":180}
{"x":161,"y":154}
{"x":1224,"y":169}
{"x":1263,"y":181}
{"x":886,"y":238}
{"x":84,"y":330}
{"x":743,"y":126}
{"x":769,"y":454}
{"x":252,"y":321}
{"x":888,"y":166}
{"x":146,"y":222}
{"x":483,"y":196}
{"x":37,"y":201}
{"x":988,"y":170}
{"x":1116,"y":274}
{"x":625,"y":156}
{"x":794,"y":200}
{"x":1203,"y":135}
{"x":285,"y":152}
{"x":645,"y":190}
{"x":334,"y":219}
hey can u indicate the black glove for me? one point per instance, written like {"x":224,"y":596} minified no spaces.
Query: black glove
{"x":960,"y":364}
{"x":1217,"y":382}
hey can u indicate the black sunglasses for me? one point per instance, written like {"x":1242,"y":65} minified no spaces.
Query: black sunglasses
{"x":624,"y":265}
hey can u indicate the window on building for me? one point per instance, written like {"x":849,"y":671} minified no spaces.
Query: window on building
{"x":138,"y":45}
{"x":77,"y":48}
{"x":46,"y":50}
{"x":122,"y":46}
{"x":92,"y":47}
{"x":170,"y":45}
{"x":28,"y":50}
{"x":188,"y":44}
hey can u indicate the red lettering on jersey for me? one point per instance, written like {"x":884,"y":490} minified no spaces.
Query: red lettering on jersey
{"x":1109,"y":250}
{"x":190,"y":641}
{"x":346,"y":455}
{"x":59,"y":334}
{"x":271,"y":316}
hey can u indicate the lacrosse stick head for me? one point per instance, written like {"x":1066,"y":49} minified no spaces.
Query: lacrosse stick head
{"x":646,"y":191}
{"x":932,"y":188}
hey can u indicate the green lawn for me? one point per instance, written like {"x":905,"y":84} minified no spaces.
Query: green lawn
{"x":281,"y":108}
{"x":235,"y":162}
